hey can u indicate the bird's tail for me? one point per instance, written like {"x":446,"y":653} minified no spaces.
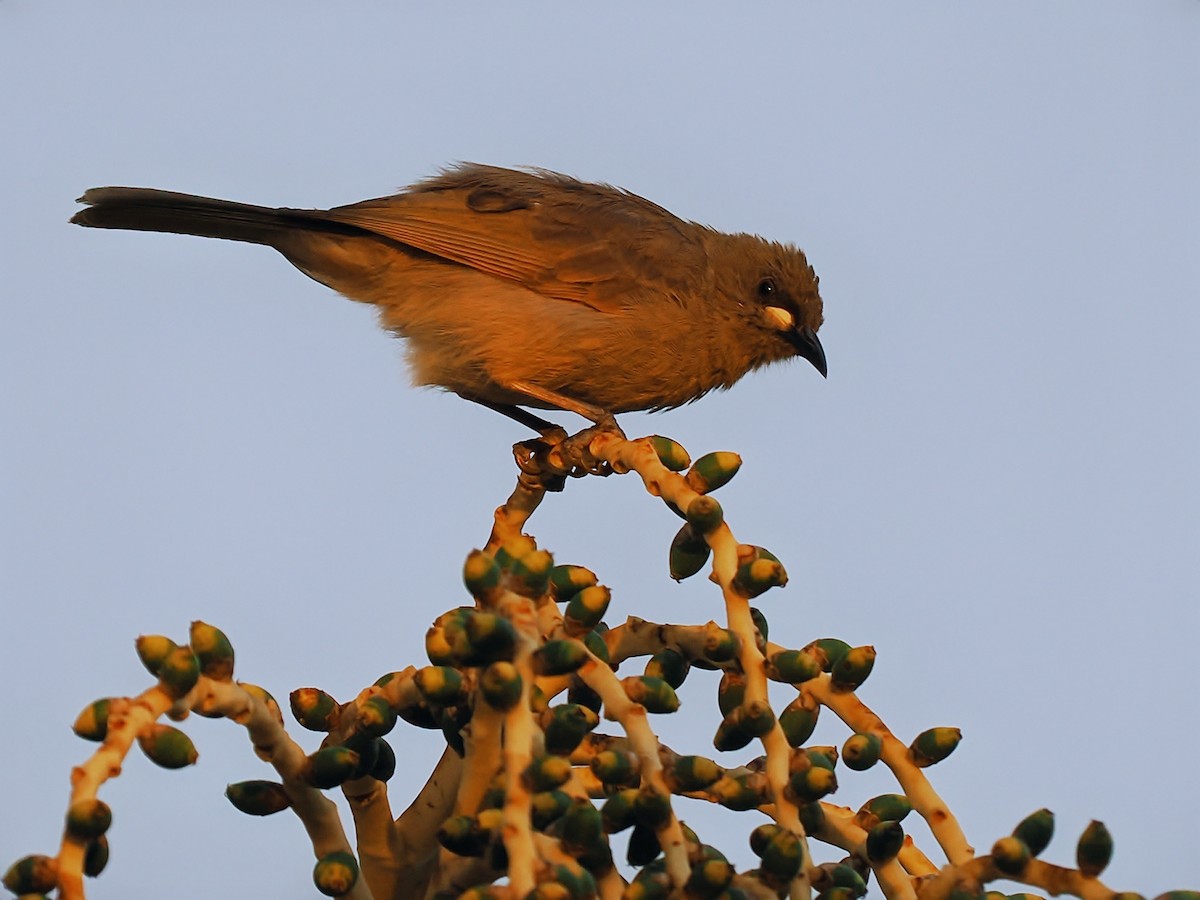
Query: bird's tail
{"x":148,"y":209}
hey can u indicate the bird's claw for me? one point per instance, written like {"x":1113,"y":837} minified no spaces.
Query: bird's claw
{"x":549,"y":459}
{"x":576,"y":450}
{"x":534,"y":460}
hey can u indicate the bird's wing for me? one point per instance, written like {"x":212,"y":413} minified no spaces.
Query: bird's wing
{"x":562,"y":238}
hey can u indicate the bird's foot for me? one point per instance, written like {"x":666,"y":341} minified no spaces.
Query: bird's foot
{"x":554,"y":455}
{"x":534,"y":459}
{"x":576,"y":451}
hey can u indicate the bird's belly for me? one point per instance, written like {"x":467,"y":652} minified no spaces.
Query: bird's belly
{"x":478,"y":335}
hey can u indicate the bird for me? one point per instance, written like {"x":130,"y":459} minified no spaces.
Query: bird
{"x":524,"y":289}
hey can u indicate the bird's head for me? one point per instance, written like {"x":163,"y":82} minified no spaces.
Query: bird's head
{"x":775,"y":293}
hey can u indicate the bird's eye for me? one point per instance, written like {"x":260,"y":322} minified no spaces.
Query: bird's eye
{"x":766,"y":289}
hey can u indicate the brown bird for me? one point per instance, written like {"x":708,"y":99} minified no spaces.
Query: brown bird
{"x":529,"y":288}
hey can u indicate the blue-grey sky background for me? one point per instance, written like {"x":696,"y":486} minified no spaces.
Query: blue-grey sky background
{"x":996,"y":487}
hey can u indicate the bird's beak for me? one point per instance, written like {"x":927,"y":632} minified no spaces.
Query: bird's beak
{"x":809,"y":346}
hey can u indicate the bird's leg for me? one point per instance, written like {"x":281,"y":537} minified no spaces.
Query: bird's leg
{"x":551,"y":457}
{"x":575,"y":451}
{"x":561,"y":401}
{"x":517,"y":414}
{"x":532,"y":456}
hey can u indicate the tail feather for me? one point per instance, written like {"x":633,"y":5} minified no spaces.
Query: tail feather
{"x":148,"y":209}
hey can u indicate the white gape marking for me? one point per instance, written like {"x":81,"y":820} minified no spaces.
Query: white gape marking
{"x":779,"y":317}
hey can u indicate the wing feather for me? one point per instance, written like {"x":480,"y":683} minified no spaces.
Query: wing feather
{"x":563,"y":238}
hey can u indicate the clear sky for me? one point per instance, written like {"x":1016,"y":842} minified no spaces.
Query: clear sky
{"x":996,"y":487}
